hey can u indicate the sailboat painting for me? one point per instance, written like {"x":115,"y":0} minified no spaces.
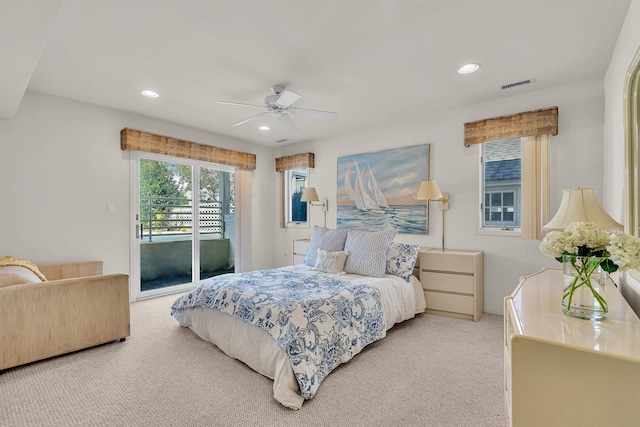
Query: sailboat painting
{"x":378,"y":190}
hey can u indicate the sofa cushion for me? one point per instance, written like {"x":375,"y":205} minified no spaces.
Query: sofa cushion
{"x":15,"y":275}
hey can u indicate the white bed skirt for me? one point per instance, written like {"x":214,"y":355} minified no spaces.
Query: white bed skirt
{"x":258,"y":349}
{"x":249,"y":344}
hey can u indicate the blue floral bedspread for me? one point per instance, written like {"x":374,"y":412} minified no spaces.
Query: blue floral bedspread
{"x":319,"y":321}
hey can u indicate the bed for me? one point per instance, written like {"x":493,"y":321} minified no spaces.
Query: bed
{"x":296,"y":324}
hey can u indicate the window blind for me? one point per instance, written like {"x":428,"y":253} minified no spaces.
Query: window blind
{"x":132,"y":139}
{"x":528,"y":123}
{"x":303,"y":160}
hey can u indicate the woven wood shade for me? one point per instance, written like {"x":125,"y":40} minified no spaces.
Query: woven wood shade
{"x":303,"y":160}
{"x":529,"y":123}
{"x":131,"y":139}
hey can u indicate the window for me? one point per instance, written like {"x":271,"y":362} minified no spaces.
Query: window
{"x":295,"y":181}
{"x":498,"y":175}
{"x":502,"y":184}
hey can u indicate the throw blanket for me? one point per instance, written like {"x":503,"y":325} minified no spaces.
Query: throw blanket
{"x":9,"y":260}
{"x":319,"y":321}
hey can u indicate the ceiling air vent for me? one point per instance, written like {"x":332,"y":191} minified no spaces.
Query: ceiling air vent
{"x":281,"y":140}
{"x":516,"y":84}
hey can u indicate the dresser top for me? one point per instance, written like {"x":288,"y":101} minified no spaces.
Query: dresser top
{"x":538,"y":312}
{"x":449,"y":251}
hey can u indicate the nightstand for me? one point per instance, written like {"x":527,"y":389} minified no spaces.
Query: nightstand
{"x":453,"y":282}
{"x":300,"y":250}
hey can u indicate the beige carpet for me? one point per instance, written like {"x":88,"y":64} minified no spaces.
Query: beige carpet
{"x":428,"y":371}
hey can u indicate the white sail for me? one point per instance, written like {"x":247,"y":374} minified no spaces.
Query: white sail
{"x":362,"y":189}
{"x":365,"y":191}
{"x":352,"y":193}
{"x":348,"y":188}
{"x":376,"y":191}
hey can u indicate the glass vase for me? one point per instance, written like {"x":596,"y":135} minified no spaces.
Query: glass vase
{"x":583,"y":293}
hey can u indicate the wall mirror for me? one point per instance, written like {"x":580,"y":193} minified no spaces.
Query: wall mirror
{"x":632,"y":149}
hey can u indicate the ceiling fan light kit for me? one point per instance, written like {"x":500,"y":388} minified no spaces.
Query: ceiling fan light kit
{"x":279,"y":105}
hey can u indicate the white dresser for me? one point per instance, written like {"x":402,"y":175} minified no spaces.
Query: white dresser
{"x":563,"y":371}
{"x":300,"y":250}
{"x":453,"y":282}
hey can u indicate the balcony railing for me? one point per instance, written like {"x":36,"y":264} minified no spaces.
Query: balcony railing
{"x":163,"y":216}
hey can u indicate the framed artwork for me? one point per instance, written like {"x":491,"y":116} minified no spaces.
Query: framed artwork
{"x":378,"y":190}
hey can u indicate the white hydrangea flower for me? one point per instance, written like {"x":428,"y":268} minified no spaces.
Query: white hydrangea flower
{"x":624,"y":250}
{"x":620,"y":248}
{"x":587,"y":234}
{"x":554,"y":244}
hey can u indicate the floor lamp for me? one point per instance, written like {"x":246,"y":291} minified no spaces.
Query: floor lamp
{"x":428,"y":191}
{"x":310,"y":195}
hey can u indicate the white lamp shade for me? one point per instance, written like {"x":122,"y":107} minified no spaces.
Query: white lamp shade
{"x":309,"y":195}
{"x":581,"y":204}
{"x":429,"y":190}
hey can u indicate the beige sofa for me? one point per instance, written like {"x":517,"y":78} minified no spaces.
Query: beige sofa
{"x":77,"y":307}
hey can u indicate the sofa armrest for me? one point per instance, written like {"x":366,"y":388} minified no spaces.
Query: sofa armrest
{"x":41,"y":320}
{"x":71,"y":269}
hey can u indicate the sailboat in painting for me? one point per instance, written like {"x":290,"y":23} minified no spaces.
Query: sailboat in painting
{"x":364,"y":191}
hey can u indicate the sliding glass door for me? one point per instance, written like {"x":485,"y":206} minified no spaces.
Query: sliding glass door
{"x":183,"y":232}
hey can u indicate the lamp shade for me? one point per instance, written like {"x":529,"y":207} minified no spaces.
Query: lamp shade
{"x":429,"y":190}
{"x":581,"y":204}
{"x":309,"y":195}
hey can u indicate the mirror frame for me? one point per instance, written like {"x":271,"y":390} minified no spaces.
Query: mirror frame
{"x":632,"y":150}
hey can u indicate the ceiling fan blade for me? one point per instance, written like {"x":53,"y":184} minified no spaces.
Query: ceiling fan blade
{"x":314,"y":113}
{"x":287,"y":123}
{"x":287,"y":98}
{"x":239,"y":103}
{"x":248,"y":119}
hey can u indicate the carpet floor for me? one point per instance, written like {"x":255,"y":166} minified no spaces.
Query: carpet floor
{"x":428,"y":371}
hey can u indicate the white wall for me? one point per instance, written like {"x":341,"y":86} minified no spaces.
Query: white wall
{"x":614,"y":155}
{"x":576,"y":160}
{"x":60,"y":163}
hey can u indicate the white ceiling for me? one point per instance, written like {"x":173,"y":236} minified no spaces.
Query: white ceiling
{"x":372,"y":61}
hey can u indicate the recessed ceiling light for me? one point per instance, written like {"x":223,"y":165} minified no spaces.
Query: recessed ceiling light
{"x":149,"y":93}
{"x":468,"y":68}
{"x":264,"y":128}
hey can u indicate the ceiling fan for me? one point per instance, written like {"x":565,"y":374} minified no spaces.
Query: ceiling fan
{"x":279,"y":105}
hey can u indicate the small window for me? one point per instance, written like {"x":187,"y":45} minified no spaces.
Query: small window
{"x":295,"y":210}
{"x":501,"y":184}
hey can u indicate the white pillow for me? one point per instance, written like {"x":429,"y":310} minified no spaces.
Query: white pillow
{"x":15,"y":275}
{"x":401,"y":258}
{"x":324,"y":238}
{"x":331,"y":262}
{"x":368,"y":251}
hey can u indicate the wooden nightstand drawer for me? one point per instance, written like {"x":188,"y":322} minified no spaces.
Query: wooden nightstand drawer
{"x":300,"y":250}
{"x":457,"y":283}
{"x":449,"y":303}
{"x":457,"y":261}
{"x":300,"y":246}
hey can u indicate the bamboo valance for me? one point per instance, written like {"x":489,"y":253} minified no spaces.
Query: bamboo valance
{"x":303,"y":160}
{"x":529,"y":123}
{"x":131,"y":139}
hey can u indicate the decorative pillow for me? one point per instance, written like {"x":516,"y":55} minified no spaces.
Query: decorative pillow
{"x":15,"y":270}
{"x":331,"y":262}
{"x":401,"y":258}
{"x":15,"y":275}
{"x":314,"y":244}
{"x":324,"y":238}
{"x":368,"y":251}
